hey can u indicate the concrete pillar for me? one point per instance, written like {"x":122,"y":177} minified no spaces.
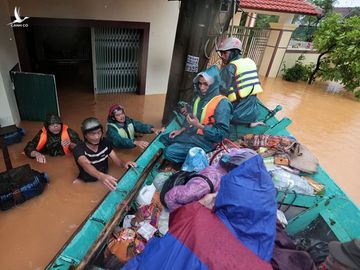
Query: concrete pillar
{"x":9,"y":114}
{"x":251,"y":19}
{"x":237,"y":18}
{"x":275,"y":48}
{"x":286,"y":18}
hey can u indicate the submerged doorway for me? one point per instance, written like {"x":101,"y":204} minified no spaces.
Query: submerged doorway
{"x":65,"y":52}
{"x":88,"y":55}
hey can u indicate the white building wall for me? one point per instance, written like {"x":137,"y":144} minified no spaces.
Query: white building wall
{"x":8,"y":58}
{"x":161,"y":14}
{"x":291,"y":55}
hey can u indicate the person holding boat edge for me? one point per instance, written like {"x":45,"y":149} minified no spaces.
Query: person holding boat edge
{"x":121,"y":129}
{"x":240,"y":81}
{"x":207,"y":124}
{"x":92,"y":155}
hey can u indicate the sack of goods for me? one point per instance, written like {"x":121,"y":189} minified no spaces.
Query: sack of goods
{"x":14,"y":137}
{"x":20,"y":184}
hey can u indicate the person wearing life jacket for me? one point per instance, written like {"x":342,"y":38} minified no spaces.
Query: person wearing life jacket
{"x":121,"y":129}
{"x":240,"y":82}
{"x":207,"y":124}
{"x":54,"y":139}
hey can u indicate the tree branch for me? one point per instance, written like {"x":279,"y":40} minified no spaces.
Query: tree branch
{"x":317,"y":67}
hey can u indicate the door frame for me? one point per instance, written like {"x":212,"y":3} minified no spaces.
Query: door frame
{"x":24,"y":57}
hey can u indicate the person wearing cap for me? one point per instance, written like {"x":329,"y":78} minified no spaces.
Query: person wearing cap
{"x":121,"y":129}
{"x":91,"y":156}
{"x":240,"y":82}
{"x":54,"y":139}
{"x":206,"y":125}
{"x":342,"y":256}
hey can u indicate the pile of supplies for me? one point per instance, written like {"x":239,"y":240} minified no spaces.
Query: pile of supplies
{"x":287,"y":164}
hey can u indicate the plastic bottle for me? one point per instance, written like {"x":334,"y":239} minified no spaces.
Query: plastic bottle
{"x":146,"y":194}
{"x":284,"y":180}
{"x":163,"y":224}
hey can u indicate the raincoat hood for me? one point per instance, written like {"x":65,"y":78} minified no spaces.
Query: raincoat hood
{"x":52,"y":119}
{"x":246,"y":204}
{"x":111,"y":120}
{"x":212,"y":77}
{"x":234,"y":55}
{"x":112,"y":110}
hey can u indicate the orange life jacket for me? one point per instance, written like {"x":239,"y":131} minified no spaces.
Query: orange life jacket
{"x":64,"y":137}
{"x":207,"y":114}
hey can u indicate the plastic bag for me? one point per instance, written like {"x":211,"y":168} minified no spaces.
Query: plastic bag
{"x":163,"y":224}
{"x":195,"y":161}
{"x":284,"y":180}
{"x":146,"y":194}
{"x":160,"y":179}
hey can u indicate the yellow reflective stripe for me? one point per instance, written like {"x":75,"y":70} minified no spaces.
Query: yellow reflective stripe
{"x":203,"y":113}
{"x":131,"y":130}
{"x":246,"y":91}
{"x":196,"y":104}
{"x":121,"y":131}
{"x":232,"y":97}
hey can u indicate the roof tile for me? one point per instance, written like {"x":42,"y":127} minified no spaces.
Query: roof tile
{"x":287,"y":6}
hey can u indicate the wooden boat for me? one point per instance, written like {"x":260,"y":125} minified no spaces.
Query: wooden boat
{"x":329,"y":216}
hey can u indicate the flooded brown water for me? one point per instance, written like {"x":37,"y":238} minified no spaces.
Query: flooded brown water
{"x":327,"y":123}
{"x":32,"y":233}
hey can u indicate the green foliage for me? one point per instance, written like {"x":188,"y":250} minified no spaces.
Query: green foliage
{"x":264,"y":20}
{"x":308,"y":23}
{"x":338,"y":39}
{"x":354,"y":12}
{"x":357,"y":94}
{"x":303,"y":33}
{"x":298,"y":72}
{"x":327,"y":7}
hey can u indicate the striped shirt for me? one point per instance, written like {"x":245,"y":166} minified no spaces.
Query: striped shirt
{"x":98,"y":159}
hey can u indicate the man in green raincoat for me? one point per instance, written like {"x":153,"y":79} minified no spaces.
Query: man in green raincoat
{"x":240,"y":82}
{"x":207,"y":124}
